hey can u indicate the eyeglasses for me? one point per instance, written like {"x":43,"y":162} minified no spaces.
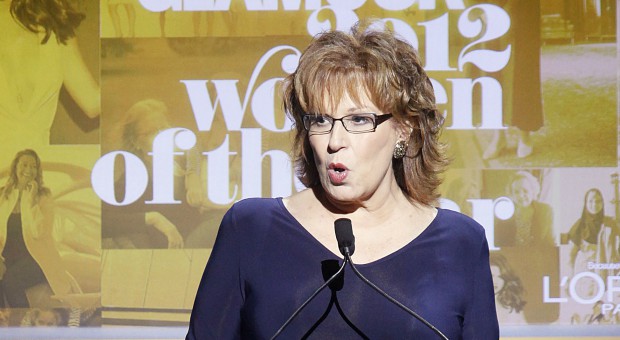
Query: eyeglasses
{"x":355,"y":123}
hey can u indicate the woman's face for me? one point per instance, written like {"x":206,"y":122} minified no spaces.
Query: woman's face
{"x":26,"y":169}
{"x":522,"y":194}
{"x":46,"y":319}
{"x":594,"y":202}
{"x":498,"y":281}
{"x":354,"y":167}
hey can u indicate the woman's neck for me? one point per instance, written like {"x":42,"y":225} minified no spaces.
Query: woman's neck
{"x":382,"y":201}
{"x":20,"y":186}
{"x":376,"y":211}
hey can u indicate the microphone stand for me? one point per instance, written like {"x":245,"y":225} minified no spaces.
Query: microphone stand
{"x":347,"y":258}
{"x":346,"y":244}
{"x":303,"y":305}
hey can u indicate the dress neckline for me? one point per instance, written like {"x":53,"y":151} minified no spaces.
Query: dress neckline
{"x":396,"y":253}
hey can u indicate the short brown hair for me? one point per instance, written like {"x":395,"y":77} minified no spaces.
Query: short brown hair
{"x":389,"y":70}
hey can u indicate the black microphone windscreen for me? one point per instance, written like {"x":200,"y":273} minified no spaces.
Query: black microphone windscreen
{"x":344,"y":236}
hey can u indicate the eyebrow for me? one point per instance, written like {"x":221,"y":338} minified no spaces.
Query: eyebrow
{"x":363,"y":109}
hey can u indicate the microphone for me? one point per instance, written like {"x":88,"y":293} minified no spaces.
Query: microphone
{"x":344,"y":236}
{"x":346,"y":243}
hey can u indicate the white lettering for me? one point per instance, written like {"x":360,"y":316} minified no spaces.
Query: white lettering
{"x":290,"y":5}
{"x":437,"y":44}
{"x":163,"y":162}
{"x":252,"y":164}
{"x":611,"y":287}
{"x":204,"y":109}
{"x":441,"y":96}
{"x":598,"y":281}
{"x":228,"y":99}
{"x":345,"y":17}
{"x":102,"y":178}
{"x":404,"y":30}
{"x":450,"y":4}
{"x":392,"y":5}
{"x":603,"y":266}
{"x":484,"y":212}
{"x":606,"y":308}
{"x":162,"y":5}
{"x":218,"y":174}
{"x":546,"y":297}
{"x":462,"y":96}
{"x":263,"y":106}
{"x":497,"y":24}
{"x":206,"y":5}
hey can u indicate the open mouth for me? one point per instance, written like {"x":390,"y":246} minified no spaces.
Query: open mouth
{"x":337,"y":173}
{"x":337,"y":167}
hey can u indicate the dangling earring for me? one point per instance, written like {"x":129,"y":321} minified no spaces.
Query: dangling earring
{"x":400,"y":149}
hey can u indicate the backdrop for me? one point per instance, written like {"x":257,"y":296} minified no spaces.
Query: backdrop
{"x":187,"y":119}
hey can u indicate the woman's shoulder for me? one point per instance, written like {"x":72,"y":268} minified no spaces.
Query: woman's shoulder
{"x":452,"y":216}
{"x":459,"y":224}
{"x":253,"y":208}
{"x":254,"y":221}
{"x":254,"y":203}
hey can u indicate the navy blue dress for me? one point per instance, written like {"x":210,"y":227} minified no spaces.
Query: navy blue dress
{"x":265,"y":264}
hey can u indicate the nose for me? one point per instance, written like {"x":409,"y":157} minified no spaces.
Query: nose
{"x":338,"y":137}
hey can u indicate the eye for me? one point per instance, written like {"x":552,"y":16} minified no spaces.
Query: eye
{"x":361,"y":119}
{"x":321,"y":121}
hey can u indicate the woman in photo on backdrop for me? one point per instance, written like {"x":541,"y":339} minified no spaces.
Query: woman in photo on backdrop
{"x":142,"y":225}
{"x":595,"y":238}
{"x":528,"y":233}
{"x":39,"y":317}
{"x":28,"y":249}
{"x":522,"y":87}
{"x":38,"y":56}
{"x":532,"y":221}
{"x":367,"y":147}
{"x":509,"y":291}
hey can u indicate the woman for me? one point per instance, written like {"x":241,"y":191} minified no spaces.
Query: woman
{"x":142,"y":225}
{"x":523,"y":87}
{"x":532,"y":222}
{"x":38,"y":56}
{"x":595,"y":237}
{"x":367,"y":147}
{"x":529,"y":233}
{"x":29,"y":253}
{"x":508,"y":290}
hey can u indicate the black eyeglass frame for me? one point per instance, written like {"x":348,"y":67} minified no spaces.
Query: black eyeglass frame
{"x":378,"y":119}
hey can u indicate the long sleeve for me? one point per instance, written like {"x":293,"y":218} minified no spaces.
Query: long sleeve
{"x":38,"y":219}
{"x":481,"y":317}
{"x":217,"y":308}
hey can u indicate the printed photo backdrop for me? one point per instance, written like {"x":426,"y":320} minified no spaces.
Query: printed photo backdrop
{"x":158,"y":115}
